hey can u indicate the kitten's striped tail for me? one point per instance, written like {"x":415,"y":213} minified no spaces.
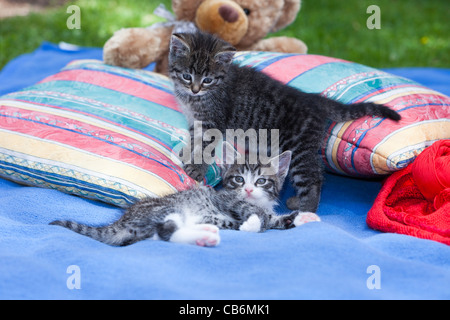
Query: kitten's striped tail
{"x":106,"y":234}
{"x":345,"y":112}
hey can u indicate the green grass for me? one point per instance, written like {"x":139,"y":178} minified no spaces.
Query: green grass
{"x":413,"y":32}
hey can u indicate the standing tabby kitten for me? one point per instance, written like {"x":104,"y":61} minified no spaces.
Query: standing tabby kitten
{"x":194,"y":216}
{"x":222,"y":95}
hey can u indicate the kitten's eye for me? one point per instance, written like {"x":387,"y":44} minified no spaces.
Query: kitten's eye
{"x":207,"y":80}
{"x":247,"y":11}
{"x":238,"y":179}
{"x":187,"y":77}
{"x":261,"y":181}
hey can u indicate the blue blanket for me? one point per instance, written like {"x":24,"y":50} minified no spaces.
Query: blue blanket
{"x":339,"y":257}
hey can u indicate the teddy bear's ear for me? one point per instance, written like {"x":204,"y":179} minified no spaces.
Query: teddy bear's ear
{"x":290,"y":11}
{"x":178,"y":45}
{"x":185,"y":9}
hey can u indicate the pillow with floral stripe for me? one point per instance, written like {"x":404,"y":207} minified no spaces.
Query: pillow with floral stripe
{"x":369,"y":146}
{"x":96,"y":131}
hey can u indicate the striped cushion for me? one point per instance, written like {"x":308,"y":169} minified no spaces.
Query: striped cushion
{"x":369,"y":146}
{"x":96,"y":131}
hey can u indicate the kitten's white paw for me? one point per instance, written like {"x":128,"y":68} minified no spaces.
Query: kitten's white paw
{"x":305,"y":217}
{"x":253,"y":224}
{"x":201,"y":235}
{"x":208,"y":240}
{"x":209,"y":234}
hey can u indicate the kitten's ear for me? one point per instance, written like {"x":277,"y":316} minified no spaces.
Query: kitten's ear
{"x":178,"y":45}
{"x":282,"y":162}
{"x":225,"y":56}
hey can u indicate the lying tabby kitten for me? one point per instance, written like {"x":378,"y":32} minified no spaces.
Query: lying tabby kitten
{"x":222,"y":95}
{"x":194,"y":216}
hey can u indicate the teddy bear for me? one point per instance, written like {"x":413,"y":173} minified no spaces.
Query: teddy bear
{"x":242,"y":23}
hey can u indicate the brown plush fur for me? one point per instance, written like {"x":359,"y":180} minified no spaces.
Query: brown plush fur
{"x":208,"y":18}
{"x":138,"y":47}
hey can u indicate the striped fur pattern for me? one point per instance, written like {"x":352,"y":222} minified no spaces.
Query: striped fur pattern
{"x":195,"y":216}
{"x":223,"y":95}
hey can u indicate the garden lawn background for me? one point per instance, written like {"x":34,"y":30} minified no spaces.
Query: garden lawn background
{"x":413,"y":32}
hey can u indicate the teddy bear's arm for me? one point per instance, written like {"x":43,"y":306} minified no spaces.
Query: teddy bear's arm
{"x":137,"y":47}
{"x":280,"y":44}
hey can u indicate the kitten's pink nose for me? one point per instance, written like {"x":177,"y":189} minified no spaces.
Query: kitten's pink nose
{"x":195,"y":89}
{"x":248,"y":190}
{"x":228,"y":13}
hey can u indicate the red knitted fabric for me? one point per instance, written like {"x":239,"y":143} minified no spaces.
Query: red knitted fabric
{"x":400,"y":207}
{"x":431,"y":170}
